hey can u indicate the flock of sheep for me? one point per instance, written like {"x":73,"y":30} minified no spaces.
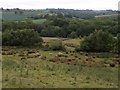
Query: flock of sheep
{"x":68,"y":57}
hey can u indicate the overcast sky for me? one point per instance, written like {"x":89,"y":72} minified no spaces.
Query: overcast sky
{"x":68,"y":4}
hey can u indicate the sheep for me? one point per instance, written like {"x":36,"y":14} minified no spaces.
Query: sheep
{"x":60,"y":54}
{"x":23,"y":58}
{"x":37,"y":54}
{"x":43,"y":57}
{"x":33,"y":55}
{"x":50,"y":53}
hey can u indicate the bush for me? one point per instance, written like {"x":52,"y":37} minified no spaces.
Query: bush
{"x":56,"y":46}
{"x":26,"y":37}
{"x":98,"y":41}
{"x":73,"y":35}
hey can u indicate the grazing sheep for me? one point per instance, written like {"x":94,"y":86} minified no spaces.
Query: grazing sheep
{"x":37,"y":54}
{"x":43,"y":57}
{"x":60,"y":54}
{"x":33,"y":55}
{"x":50,"y":53}
{"x":23,"y":58}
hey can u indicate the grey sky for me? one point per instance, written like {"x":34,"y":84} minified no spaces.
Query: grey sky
{"x":68,"y":4}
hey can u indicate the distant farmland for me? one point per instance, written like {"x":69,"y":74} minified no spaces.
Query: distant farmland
{"x":11,"y":16}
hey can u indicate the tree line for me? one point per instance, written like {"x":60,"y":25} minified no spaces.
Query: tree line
{"x":65,"y":27}
{"x":99,"y":34}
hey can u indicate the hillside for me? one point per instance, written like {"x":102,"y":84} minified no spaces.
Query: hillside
{"x":19,"y":14}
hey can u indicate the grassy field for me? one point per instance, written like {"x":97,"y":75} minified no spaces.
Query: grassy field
{"x":35,"y":68}
{"x":107,"y":17}
{"x":111,"y":15}
{"x":11,"y":16}
{"x":39,"y":21}
{"x":69,"y":43}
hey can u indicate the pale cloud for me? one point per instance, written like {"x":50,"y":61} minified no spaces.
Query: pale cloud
{"x":68,"y":4}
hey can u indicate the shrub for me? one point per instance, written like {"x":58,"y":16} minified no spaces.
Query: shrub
{"x":73,"y":35}
{"x":56,"y":46}
{"x":99,"y":41}
{"x":26,"y":37}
